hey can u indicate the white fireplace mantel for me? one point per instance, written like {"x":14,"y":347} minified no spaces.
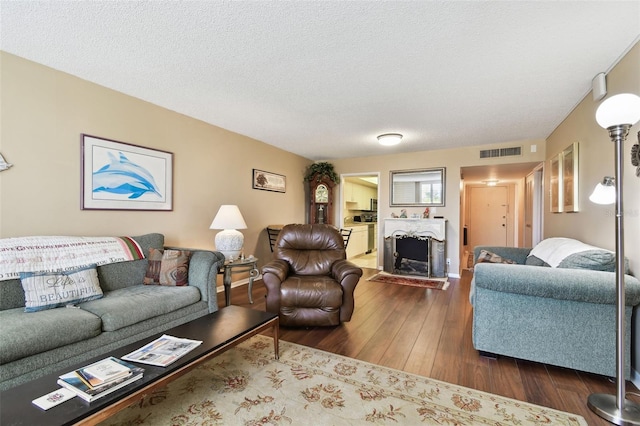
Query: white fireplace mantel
{"x":396,"y":227}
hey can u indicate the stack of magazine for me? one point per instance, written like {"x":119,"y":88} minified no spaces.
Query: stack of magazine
{"x":163,"y":351}
{"x":101,"y":378}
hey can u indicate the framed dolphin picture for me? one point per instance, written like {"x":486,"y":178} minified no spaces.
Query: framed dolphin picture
{"x":122,"y":176}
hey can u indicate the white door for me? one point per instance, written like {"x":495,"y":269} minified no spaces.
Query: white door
{"x":488,"y":208}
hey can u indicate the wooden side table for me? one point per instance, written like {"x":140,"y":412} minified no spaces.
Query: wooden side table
{"x":249,"y":264}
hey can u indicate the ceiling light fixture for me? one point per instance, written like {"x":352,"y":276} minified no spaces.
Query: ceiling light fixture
{"x":492,"y":182}
{"x":390,"y":139}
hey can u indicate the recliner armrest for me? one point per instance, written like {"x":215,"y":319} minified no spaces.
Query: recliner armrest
{"x":341,"y":268}
{"x":277,"y":267}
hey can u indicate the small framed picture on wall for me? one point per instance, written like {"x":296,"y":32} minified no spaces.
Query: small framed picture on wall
{"x":555,"y":184}
{"x":570,"y":178}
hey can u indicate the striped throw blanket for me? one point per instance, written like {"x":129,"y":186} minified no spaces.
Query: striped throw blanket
{"x":56,"y":254}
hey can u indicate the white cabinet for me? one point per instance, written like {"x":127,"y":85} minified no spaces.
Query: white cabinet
{"x":349,"y":194}
{"x":357,"y":241}
{"x":358,"y":197}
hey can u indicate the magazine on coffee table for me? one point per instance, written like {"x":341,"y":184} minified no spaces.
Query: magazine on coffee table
{"x":163,"y":351}
{"x":75,"y":382}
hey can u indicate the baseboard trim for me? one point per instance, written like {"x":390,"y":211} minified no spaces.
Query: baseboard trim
{"x":245,"y":281}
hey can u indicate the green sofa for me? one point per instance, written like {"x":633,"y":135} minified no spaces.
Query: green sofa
{"x":37,"y":343}
{"x":559,"y":316}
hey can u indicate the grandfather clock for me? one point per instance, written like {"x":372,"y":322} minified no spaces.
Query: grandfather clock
{"x":321,"y":205}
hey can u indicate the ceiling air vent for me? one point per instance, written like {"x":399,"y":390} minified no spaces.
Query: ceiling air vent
{"x":501,"y":152}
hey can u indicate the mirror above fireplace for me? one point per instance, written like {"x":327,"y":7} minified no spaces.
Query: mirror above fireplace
{"x":418,"y":187}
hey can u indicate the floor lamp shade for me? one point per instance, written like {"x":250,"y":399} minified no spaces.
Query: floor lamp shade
{"x":229,"y":241}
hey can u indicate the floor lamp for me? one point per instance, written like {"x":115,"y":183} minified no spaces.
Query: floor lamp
{"x":617,"y":114}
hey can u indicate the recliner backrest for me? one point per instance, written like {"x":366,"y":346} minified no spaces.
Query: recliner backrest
{"x":310,"y":249}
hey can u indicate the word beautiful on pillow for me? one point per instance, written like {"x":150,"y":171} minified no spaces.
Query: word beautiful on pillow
{"x":47,"y":290}
{"x":168,"y":267}
{"x":490,"y":257}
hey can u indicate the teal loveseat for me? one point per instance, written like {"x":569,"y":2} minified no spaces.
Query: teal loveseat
{"x":553,"y":315}
{"x":33,"y":344}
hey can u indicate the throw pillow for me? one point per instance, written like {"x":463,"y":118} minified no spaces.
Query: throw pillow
{"x":168,"y":267}
{"x":535,"y":261}
{"x":595,"y":260}
{"x":561,"y":252}
{"x":490,"y":257}
{"x":47,"y":290}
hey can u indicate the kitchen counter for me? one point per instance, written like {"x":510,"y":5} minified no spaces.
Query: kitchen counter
{"x":350,"y":224}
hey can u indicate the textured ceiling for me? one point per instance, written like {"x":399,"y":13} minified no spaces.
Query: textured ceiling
{"x":322,"y":79}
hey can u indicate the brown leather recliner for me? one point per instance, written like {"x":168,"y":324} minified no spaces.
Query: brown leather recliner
{"x":310,"y":282}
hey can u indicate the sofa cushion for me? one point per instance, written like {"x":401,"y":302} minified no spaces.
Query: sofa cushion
{"x":126,"y":306}
{"x":11,"y":294}
{"x":302,"y":291}
{"x":490,"y":257}
{"x":124,"y":274}
{"x":168,"y":267}
{"x":47,"y":290}
{"x":24,"y":334}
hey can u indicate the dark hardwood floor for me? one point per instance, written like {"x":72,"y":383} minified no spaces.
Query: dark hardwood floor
{"x":428,"y":332}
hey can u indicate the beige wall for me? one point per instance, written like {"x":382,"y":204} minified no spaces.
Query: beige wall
{"x":453,"y":160}
{"x":595,"y":224}
{"x":43,"y":112}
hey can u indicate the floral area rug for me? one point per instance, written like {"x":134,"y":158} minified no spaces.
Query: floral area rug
{"x":247,"y":386}
{"x":414,"y":281}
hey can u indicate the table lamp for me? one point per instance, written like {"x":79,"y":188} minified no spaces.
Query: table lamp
{"x":229,"y":241}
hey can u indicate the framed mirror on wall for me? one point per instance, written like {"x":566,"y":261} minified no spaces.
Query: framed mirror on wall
{"x":418,"y":187}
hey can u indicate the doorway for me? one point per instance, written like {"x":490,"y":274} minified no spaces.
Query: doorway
{"x":489,"y":216}
{"x":359,"y":194}
{"x":523,"y":208}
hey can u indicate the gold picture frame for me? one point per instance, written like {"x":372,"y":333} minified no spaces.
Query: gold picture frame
{"x":570,"y":179}
{"x":555,"y":184}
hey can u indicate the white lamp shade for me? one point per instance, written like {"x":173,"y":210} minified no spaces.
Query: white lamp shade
{"x":390,"y":139}
{"x":619,"y":109}
{"x":228,"y":217}
{"x":604,"y":193}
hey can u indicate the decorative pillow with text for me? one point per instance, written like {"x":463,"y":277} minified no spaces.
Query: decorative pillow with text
{"x":168,"y":267}
{"x":47,"y":290}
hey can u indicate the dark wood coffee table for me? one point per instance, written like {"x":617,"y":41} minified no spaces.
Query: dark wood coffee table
{"x":218,"y":331}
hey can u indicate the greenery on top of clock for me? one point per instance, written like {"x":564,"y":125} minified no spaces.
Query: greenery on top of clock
{"x":320,"y":170}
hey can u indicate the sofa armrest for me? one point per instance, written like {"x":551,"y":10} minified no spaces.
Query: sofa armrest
{"x":203,"y":273}
{"x":558,"y":283}
{"x":517,"y":254}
